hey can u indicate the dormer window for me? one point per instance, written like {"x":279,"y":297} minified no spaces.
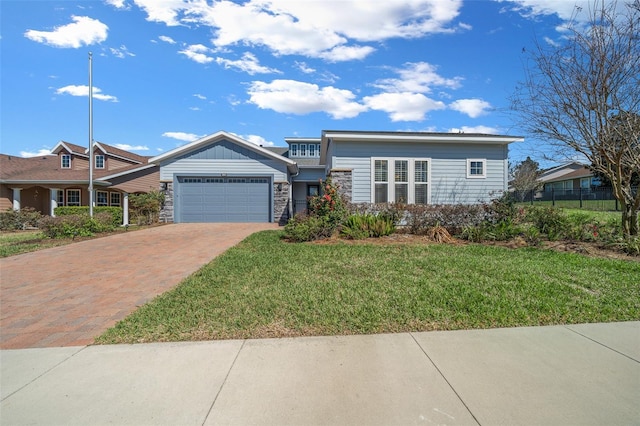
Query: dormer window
{"x":65,"y":161}
{"x":312,"y":150}
{"x":294,"y":149}
{"x":99,"y":161}
{"x":303,"y":150}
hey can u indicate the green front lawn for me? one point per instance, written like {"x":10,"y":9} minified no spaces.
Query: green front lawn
{"x":265,"y":287}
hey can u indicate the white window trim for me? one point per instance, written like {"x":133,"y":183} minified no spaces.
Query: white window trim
{"x":303,"y":147}
{"x":96,"y":161}
{"x":391,"y":184}
{"x":62,"y":157}
{"x":484,"y":168}
{"x":79,"y":197}
{"x":294,"y":149}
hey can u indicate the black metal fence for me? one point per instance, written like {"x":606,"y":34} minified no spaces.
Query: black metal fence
{"x":594,"y":198}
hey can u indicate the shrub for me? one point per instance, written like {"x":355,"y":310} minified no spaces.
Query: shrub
{"x":114,"y":212}
{"x":361,"y":226}
{"x":145,"y":207}
{"x":326,"y":213}
{"x":454,"y":217}
{"x":12,"y":220}
{"x":550,"y":221}
{"x":78,"y":225}
{"x":308,"y":228}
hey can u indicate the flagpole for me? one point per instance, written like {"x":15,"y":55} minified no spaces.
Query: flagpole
{"x":91,"y":195}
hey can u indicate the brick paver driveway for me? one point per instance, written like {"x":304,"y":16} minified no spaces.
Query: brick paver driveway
{"x":67,"y":296}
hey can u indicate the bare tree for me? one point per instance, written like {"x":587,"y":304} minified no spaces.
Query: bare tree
{"x":524,"y":177}
{"x":584,"y":97}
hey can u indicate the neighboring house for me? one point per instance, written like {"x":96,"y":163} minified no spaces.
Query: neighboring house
{"x":223,"y":178}
{"x":62,"y":179}
{"x":568,"y":177}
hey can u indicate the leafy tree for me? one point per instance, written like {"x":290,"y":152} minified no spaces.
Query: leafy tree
{"x":524,"y":177}
{"x":583,"y":97}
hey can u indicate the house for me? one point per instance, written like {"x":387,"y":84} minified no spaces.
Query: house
{"x":568,"y":177}
{"x":62,"y":178}
{"x":222,"y":177}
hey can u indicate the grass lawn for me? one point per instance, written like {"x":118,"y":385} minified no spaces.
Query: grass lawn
{"x":265,"y":287}
{"x":18,"y":242}
{"x":12,"y":243}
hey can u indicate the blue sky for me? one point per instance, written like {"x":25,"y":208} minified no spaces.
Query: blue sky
{"x":168,"y":72}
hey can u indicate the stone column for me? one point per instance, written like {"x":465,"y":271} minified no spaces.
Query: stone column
{"x":16,"y":198}
{"x":343,"y":180}
{"x":281,"y":202}
{"x":166,"y":211}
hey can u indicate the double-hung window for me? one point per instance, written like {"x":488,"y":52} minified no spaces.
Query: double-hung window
{"x":102,"y":198}
{"x":73,"y":197}
{"x":99,"y":161}
{"x":381,"y":173}
{"x":401,"y":179}
{"x":421,"y":181}
{"x":303,"y":150}
{"x":409,"y":182}
{"x":65,"y":161}
{"x":294,"y":150}
{"x":115,"y":199}
{"x":312,"y":150}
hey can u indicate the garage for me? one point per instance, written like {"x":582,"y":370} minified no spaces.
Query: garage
{"x":223,"y":199}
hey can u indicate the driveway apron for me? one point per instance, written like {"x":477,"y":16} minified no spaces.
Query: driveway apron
{"x":67,"y":296}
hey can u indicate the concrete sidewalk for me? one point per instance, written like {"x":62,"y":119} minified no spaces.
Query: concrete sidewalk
{"x":578,"y":374}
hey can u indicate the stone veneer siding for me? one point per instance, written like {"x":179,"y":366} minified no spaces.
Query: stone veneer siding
{"x":166,"y":211}
{"x":343,"y":180}
{"x":281,"y":203}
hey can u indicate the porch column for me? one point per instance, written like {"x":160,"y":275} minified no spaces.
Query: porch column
{"x":53,"y":201}
{"x":125,"y":209}
{"x":16,"y":198}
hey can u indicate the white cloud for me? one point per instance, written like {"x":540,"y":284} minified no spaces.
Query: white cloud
{"x":532,"y":8}
{"x":74,"y":90}
{"x":346,"y":53}
{"x":249,"y":64}
{"x":257,"y":140}
{"x":127,"y":147}
{"x":40,"y":152}
{"x":295,"y":97}
{"x":199,"y":96}
{"x":197,"y":53}
{"x":167,"y":39}
{"x":182,"y":136}
{"x":118,"y":4}
{"x":472,"y":107}
{"x":418,"y":77}
{"x":403,"y":106}
{"x":302,"y":66}
{"x":166,"y":11}
{"x":475,"y":129}
{"x":83,"y":31}
{"x":311,"y":27}
{"x":121,"y":52}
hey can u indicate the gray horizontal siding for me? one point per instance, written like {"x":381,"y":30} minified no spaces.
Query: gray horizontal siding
{"x":309,"y":175}
{"x":231,"y":167}
{"x":449,"y":182}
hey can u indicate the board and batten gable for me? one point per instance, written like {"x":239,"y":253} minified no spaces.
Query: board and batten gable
{"x":223,"y":157}
{"x":449,"y":180}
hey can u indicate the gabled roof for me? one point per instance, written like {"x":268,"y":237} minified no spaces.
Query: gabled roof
{"x":120,"y":153}
{"x":219,"y":136}
{"x":582,"y":172}
{"x":70,"y":148}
